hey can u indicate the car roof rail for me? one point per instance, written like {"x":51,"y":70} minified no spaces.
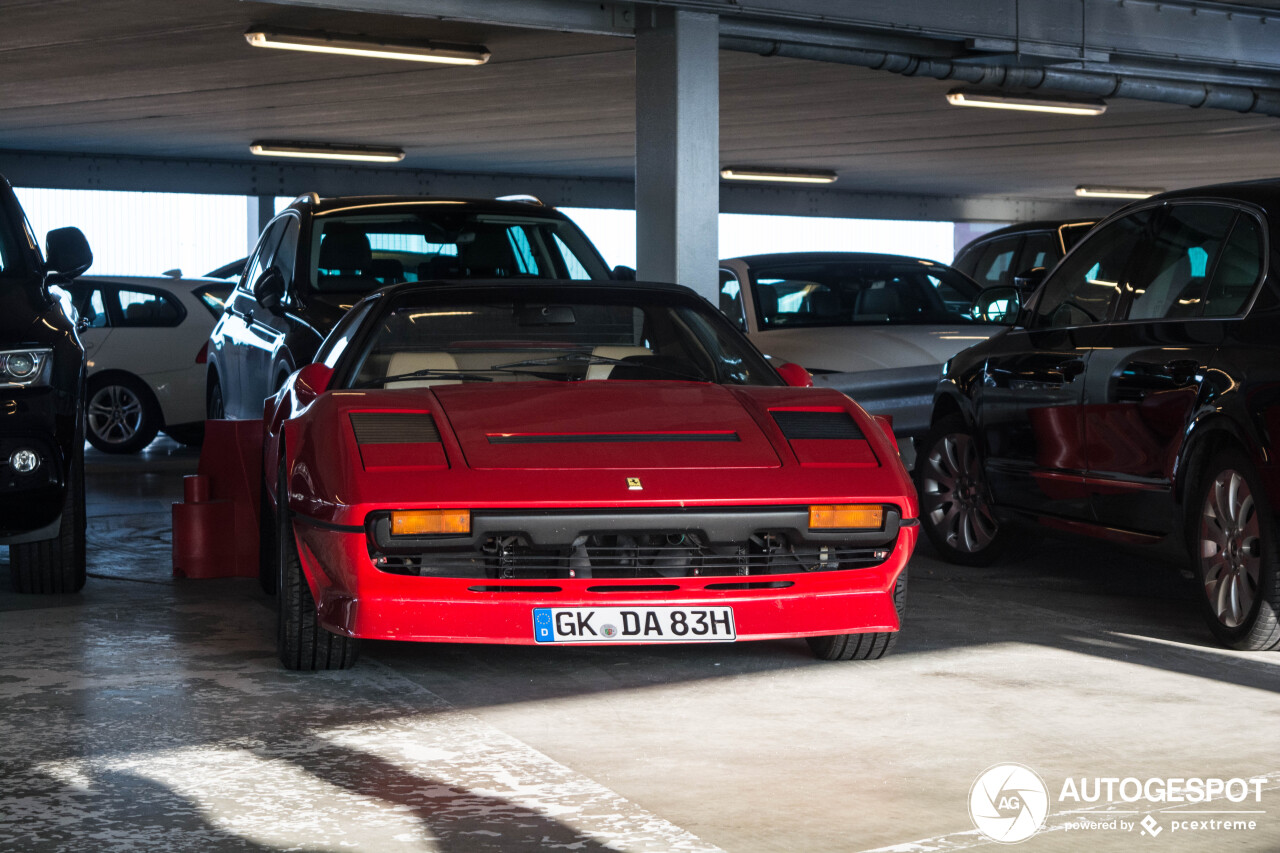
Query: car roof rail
{"x":522,"y":197}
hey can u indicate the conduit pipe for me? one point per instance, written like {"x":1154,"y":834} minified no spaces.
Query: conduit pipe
{"x":1243,"y":99}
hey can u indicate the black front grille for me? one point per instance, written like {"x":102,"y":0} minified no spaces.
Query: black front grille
{"x":632,"y":555}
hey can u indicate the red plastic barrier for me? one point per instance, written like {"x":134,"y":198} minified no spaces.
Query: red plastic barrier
{"x":215,"y":528}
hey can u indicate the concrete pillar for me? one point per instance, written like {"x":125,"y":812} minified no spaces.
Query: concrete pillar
{"x":678,"y":147}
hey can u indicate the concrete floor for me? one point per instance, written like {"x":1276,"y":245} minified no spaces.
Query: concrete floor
{"x":150,"y":714}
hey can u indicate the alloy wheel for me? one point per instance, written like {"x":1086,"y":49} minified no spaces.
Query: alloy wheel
{"x":115,"y":414}
{"x":1230,"y":549}
{"x":953,"y":494}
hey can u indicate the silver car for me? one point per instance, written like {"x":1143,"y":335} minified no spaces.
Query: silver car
{"x":876,"y":327}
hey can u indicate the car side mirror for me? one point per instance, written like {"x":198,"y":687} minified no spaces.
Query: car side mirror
{"x":1001,"y":305}
{"x":269,"y":291}
{"x":310,"y":382}
{"x":795,"y":375}
{"x":621,"y":273}
{"x":67,"y":253}
{"x":1028,"y":280}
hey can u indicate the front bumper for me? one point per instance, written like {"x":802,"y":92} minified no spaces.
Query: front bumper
{"x":31,"y":504}
{"x":357,"y":599}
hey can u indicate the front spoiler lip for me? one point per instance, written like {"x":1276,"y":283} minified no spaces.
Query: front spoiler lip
{"x":355,"y":599}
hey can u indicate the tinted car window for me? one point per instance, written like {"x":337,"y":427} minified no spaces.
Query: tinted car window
{"x":214,"y":297}
{"x":1174,"y":275}
{"x":1087,"y":284}
{"x":356,"y":253}
{"x":995,"y":265}
{"x":1040,"y":250}
{"x":843,"y":294}
{"x":148,"y":308}
{"x":1238,"y":270}
{"x":731,"y":299}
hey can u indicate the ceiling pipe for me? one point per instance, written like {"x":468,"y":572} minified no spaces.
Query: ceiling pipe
{"x":1242,"y":99}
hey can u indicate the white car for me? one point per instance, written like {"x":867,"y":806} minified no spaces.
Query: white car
{"x":876,"y":327}
{"x":145,"y":341}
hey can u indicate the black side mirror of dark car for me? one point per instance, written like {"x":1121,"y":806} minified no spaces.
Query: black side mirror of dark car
{"x":1001,"y":304}
{"x":269,"y":290}
{"x":621,"y":273}
{"x":67,"y":253}
{"x":1028,"y":280}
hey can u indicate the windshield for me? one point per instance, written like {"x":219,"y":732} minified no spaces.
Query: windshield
{"x":506,"y":334}
{"x":358,"y":252}
{"x":856,"y":294}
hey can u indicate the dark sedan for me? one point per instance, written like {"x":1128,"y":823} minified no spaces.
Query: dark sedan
{"x":1137,"y":400}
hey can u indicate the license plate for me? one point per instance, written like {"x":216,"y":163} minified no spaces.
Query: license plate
{"x":633,"y":624}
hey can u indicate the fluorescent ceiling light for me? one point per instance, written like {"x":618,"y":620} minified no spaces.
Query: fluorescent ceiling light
{"x":1117,"y":192}
{"x":796,"y":176}
{"x":325,"y":151}
{"x":1032,"y":103}
{"x":321,"y":42}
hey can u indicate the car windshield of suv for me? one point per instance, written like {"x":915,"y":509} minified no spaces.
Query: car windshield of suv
{"x":861,"y":294}
{"x":509,"y":334}
{"x":355,"y":253}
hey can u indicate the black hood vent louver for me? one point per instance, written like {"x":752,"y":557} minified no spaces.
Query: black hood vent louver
{"x":394,"y":428}
{"x":806,"y":425}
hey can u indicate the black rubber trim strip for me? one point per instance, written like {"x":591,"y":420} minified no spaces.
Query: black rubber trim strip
{"x":328,"y":525}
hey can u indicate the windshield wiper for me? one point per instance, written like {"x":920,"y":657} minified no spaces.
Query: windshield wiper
{"x":588,"y":359}
{"x":428,"y":373}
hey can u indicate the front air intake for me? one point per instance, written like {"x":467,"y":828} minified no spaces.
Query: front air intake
{"x":796,"y":425}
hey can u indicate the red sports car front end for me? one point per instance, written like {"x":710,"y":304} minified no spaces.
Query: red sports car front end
{"x":569,"y":465}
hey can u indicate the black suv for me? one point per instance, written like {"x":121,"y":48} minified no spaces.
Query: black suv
{"x":1137,"y":400}
{"x":1000,"y":256}
{"x":319,"y":256}
{"x":42,"y":516}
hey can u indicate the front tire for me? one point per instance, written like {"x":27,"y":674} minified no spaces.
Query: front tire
{"x":215,"y":406}
{"x":1234,"y":553}
{"x":863,"y":646}
{"x":56,"y":565}
{"x":120,"y":415}
{"x":301,"y":641}
{"x":955,"y":502}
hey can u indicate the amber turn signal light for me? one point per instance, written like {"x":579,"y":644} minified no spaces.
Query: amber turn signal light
{"x":427,"y":522}
{"x":845,"y":516}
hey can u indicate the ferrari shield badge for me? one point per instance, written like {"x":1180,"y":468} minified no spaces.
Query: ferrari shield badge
{"x":633,"y":483}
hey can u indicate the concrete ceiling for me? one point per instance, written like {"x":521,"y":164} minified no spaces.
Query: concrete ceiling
{"x":106,"y":79}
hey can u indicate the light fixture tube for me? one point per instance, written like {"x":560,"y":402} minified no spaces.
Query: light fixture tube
{"x":325,"y":151}
{"x":1117,"y":192}
{"x":1031,"y":103}
{"x":350,"y":45}
{"x":796,"y":176}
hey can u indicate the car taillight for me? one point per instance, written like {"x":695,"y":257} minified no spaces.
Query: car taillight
{"x":202,"y":357}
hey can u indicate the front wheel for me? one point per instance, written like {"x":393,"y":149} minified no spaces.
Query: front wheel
{"x":1234,"y":551}
{"x":215,"y":407}
{"x":863,"y":646}
{"x":301,"y":641}
{"x":955,"y":503}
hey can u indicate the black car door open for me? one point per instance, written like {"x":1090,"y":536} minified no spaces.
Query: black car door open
{"x":1143,"y":388}
{"x":1029,"y":407}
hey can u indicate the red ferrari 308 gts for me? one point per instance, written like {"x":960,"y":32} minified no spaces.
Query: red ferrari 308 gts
{"x":558,"y":462}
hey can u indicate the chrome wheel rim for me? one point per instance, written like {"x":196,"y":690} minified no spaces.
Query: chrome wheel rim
{"x":115,"y":414}
{"x":1230,"y":549}
{"x":953,"y":495}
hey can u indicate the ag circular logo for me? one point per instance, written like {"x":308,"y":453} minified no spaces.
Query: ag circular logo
{"x":1008,"y":803}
